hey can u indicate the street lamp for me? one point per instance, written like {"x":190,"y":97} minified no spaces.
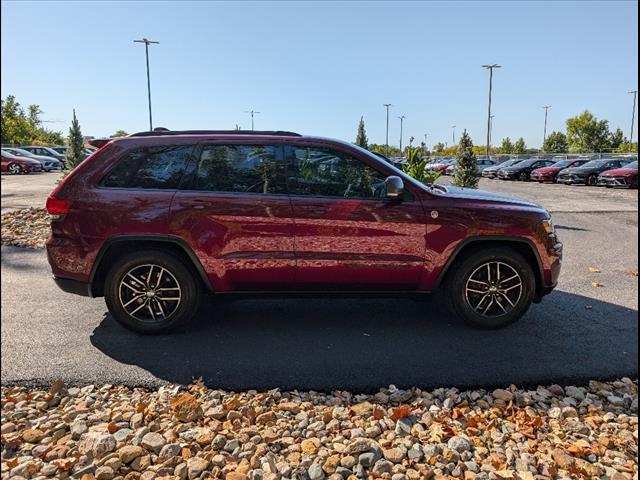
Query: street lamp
{"x":146,"y":50}
{"x":490,"y":68}
{"x":252,"y":112}
{"x":544,"y":136}
{"x":402,"y":117}
{"x":454,"y":135}
{"x":490,"y":127}
{"x":633,"y":117}
{"x":386,"y":142}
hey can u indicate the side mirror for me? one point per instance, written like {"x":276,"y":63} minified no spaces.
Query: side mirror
{"x":394,"y":188}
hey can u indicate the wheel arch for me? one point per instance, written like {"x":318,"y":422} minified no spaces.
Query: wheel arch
{"x":521,"y":245}
{"x":116,"y":247}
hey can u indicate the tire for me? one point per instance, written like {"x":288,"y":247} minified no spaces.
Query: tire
{"x":14,"y":168}
{"x":591,"y":180}
{"x":459,"y":300}
{"x":523,"y":177}
{"x":174,"y":273}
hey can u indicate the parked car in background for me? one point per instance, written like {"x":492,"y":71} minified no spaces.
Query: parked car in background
{"x":588,"y":173}
{"x":550,"y":174}
{"x":46,"y":151}
{"x":62,"y":150}
{"x":625,"y":177}
{"x":442,"y":165}
{"x":492,"y":171}
{"x":522,"y":170}
{"x":48,"y":163}
{"x":16,"y":164}
{"x":154,"y":220}
{"x":481,"y":164}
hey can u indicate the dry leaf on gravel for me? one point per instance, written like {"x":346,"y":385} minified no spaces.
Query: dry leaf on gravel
{"x":594,"y":270}
{"x":597,"y":284}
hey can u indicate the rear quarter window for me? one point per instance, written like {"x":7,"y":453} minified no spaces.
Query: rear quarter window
{"x":149,"y":167}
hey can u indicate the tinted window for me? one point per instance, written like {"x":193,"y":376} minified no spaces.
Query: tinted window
{"x":320,"y":172}
{"x":150,"y":167}
{"x":240,"y":168}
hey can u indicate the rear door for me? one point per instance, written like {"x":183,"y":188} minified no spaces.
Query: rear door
{"x":348,"y":236}
{"x":233,"y":210}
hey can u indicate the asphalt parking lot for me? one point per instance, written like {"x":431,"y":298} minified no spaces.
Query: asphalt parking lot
{"x":577,"y":333}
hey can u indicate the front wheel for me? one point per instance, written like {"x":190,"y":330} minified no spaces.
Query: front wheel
{"x":524,"y":177}
{"x":592,"y":180}
{"x":151,"y":292}
{"x":490,"y":289}
{"x":14,"y":168}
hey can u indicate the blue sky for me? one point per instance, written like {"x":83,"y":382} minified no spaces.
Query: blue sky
{"x":316,"y":67}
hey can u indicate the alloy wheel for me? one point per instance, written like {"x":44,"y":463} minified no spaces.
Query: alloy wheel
{"x":149,"y":293}
{"x":493,"y":289}
{"x":14,"y":168}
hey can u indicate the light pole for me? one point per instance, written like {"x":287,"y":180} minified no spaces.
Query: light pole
{"x":425,"y":144}
{"x":544,"y":135}
{"x":633,"y":118}
{"x":454,"y":135}
{"x":386,"y":142}
{"x":252,"y":112}
{"x":490,"y":127}
{"x":402,"y":117}
{"x":490,"y":68}
{"x":146,"y":51}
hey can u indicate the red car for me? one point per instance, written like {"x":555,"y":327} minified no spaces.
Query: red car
{"x":550,"y":174}
{"x":153,"y":220}
{"x":15,"y":164}
{"x":625,"y":177}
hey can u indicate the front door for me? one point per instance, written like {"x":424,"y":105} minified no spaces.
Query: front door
{"x":233,"y":210}
{"x":347,"y":235}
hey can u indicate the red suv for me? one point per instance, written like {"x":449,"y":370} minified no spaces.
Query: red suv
{"x":153,"y":220}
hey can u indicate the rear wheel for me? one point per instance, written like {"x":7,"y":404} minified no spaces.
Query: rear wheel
{"x":151,"y":291}
{"x":490,"y":289}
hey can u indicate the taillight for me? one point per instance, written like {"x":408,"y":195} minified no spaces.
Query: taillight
{"x":57,"y":207}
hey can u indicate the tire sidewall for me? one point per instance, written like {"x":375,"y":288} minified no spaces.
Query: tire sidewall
{"x":468,"y":265}
{"x":189,"y":286}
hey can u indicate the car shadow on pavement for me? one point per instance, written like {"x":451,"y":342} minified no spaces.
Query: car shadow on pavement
{"x":364,"y":344}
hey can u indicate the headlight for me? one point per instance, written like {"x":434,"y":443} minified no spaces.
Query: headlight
{"x":548,"y":226}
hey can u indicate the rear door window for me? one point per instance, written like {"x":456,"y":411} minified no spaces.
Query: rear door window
{"x":239,"y":169}
{"x":150,"y":167}
{"x":314,"y":171}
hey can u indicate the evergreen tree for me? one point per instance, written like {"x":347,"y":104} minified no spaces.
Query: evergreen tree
{"x":466,"y":174}
{"x":76,"y":144}
{"x":361,"y":137}
{"x":507,"y":146}
{"x":520,"y":146}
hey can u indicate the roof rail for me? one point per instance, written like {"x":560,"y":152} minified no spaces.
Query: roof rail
{"x":158,"y":133}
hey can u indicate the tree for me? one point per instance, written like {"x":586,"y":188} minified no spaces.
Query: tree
{"x":520,"y":146}
{"x":377,"y":148}
{"x":507,"y":146}
{"x":438,"y":148}
{"x":466,"y":173}
{"x":19,"y":127}
{"x":361,"y":137}
{"x":120,"y":133}
{"x":556,"y":142}
{"x":616,"y":139}
{"x":586,"y":134}
{"x":76,"y":144}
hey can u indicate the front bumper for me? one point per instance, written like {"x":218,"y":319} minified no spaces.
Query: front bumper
{"x":507,"y":175}
{"x":620,"y":182}
{"x":572,"y":180}
{"x":537,"y":177}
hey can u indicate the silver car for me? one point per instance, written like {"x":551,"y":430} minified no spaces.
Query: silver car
{"x":48,"y":163}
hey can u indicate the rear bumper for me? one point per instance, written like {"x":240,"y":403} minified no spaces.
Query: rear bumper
{"x":72,"y":286}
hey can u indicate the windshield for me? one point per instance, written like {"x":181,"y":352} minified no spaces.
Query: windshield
{"x":562,"y":163}
{"x":6,"y":154}
{"x":526,"y":163}
{"x":20,"y":152}
{"x":631,"y":165}
{"x":594,"y":164}
{"x":508,"y":163}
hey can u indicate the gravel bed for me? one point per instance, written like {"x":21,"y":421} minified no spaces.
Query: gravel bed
{"x":29,"y":228}
{"x":107,"y":432}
